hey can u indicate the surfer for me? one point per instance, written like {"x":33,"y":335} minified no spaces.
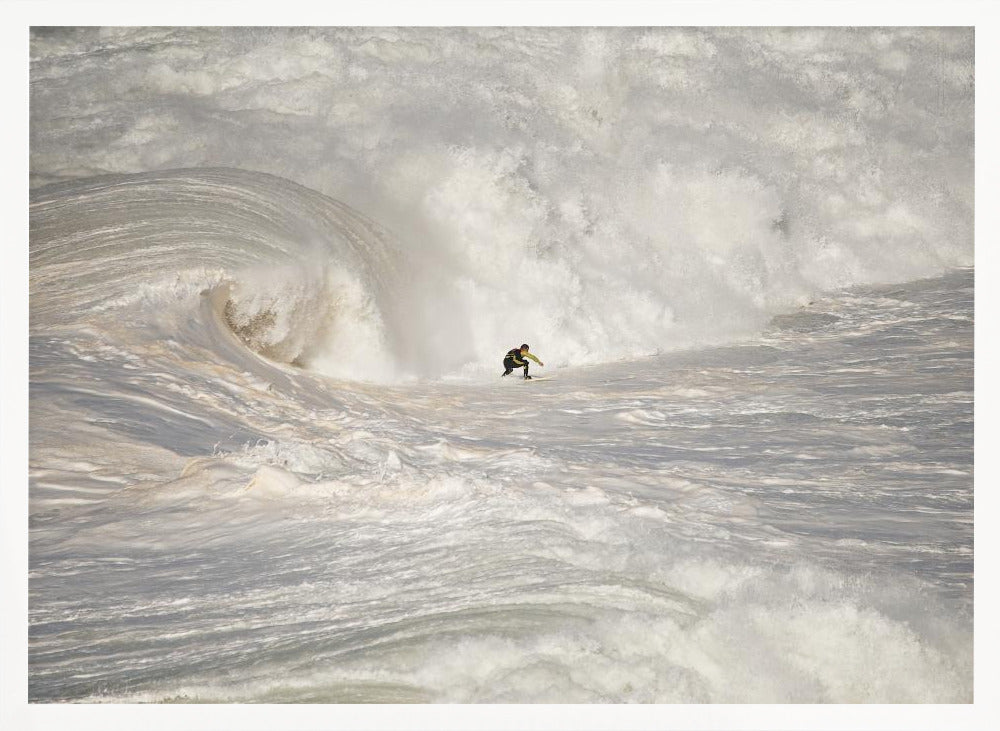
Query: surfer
{"x":516,"y":358}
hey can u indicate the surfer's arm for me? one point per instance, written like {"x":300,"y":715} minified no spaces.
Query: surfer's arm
{"x":529,"y":355}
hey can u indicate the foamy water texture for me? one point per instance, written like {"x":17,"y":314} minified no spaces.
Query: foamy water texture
{"x":273,"y":274}
{"x":610,"y":193}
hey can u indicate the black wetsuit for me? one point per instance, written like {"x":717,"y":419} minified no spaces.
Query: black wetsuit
{"x":514,"y":360}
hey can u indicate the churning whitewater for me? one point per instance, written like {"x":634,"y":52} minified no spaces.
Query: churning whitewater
{"x":273,"y":276}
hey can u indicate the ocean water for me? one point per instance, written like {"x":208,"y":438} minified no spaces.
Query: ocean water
{"x":273,"y":274}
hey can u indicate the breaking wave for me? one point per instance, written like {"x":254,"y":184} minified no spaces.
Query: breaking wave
{"x":604,"y":193}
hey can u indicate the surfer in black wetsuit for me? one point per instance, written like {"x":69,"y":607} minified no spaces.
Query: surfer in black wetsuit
{"x":518,"y":358}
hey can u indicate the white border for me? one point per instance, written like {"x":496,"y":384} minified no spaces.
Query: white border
{"x":15,"y":18}
{"x":500,"y":12}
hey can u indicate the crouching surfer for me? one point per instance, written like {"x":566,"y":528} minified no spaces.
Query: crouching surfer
{"x":518,"y":358}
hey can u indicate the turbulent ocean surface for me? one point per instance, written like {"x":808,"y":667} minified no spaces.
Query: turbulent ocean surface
{"x":273,"y":274}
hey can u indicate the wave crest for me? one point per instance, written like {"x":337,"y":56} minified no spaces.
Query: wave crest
{"x":296,"y":276}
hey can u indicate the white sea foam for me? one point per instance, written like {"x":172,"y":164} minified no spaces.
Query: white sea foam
{"x":609,"y":192}
{"x":235,"y":232}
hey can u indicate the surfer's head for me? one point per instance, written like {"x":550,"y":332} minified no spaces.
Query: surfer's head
{"x":524,"y":347}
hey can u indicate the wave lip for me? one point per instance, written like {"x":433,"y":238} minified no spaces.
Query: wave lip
{"x":298,"y":277}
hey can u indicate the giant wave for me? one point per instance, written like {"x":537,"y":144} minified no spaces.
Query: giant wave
{"x":230,"y":228}
{"x":611,"y":193}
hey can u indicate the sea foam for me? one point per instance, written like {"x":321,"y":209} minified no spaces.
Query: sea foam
{"x":600,"y":193}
